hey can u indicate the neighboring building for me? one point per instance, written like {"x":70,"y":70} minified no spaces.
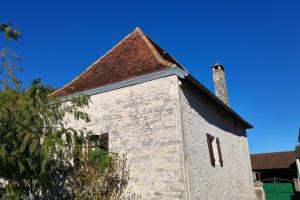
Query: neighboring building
{"x":279,"y":173}
{"x":275,"y":165}
{"x":182,"y":142}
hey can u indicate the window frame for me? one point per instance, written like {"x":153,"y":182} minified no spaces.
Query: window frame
{"x":210,"y":140}
{"x":103,"y":140}
{"x":219,"y":152}
{"x":214,"y":149}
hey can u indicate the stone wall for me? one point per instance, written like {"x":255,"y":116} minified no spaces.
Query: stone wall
{"x":155,"y":122}
{"x":143,"y":121}
{"x":200,"y":115}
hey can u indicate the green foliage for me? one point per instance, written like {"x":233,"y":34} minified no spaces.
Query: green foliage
{"x":10,"y":32}
{"x":37,"y":150}
{"x":36,"y":146}
{"x":42,"y":157}
{"x":9,"y":64}
{"x":34,"y":140}
{"x":89,"y":183}
{"x":99,"y":158}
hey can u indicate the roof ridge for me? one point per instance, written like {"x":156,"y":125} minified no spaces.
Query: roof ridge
{"x":153,"y":49}
{"x":173,"y":60}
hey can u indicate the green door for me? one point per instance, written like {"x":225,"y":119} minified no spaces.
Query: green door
{"x":279,"y":191}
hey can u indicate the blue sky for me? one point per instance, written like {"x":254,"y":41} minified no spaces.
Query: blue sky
{"x":257,"y":41}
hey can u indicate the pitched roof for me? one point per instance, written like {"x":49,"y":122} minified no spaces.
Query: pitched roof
{"x":135,"y":55}
{"x":275,"y":160}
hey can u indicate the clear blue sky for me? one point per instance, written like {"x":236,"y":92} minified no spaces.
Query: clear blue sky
{"x":257,"y":41}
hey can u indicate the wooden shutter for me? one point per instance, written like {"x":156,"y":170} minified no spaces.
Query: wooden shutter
{"x":210,"y":140}
{"x":97,"y":142}
{"x":104,"y":141}
{"x":219,"y":151}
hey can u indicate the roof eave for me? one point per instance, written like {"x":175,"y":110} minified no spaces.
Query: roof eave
{"x":178,"y":71}
{"x":246,"y":124}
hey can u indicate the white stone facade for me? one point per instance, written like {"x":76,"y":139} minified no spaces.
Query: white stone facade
{"x":162,"y":125}
{"x":200,"y":116}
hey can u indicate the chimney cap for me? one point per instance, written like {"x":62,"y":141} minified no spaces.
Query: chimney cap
{"x":215,"y":66}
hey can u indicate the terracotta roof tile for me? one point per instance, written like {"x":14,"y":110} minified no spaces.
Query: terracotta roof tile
{"x":133,"y":56}
{"x":276,"y":160}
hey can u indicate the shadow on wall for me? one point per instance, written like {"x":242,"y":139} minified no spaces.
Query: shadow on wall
{"x":210,"y":111}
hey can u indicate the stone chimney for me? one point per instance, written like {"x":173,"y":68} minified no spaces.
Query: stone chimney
{"x":299,"y":136}
{"x":297,"y":149}
{"x":220,"y":83}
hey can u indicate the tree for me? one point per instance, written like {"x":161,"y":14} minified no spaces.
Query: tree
{"x":34,"y":142}
{"x":10,"y":31}
{"x":8,"y":58}
{"x":40,"y":156}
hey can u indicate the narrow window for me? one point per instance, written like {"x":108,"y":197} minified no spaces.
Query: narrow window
{"x":98,"y":142}
{"x":98,"y":148}
{"x":104,"y":142}
{"x":219,"y":151}
{"x":210,"y":140}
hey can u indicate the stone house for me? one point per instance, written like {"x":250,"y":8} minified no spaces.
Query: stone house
{"x":182,"y":141}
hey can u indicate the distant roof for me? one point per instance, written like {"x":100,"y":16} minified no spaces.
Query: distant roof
{"x":133,"y":56}
{"x":275,"y":160}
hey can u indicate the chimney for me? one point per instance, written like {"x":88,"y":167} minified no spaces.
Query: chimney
{"x":297,"y":149}
{"x":299,"y":136}
{"x":220,"y":83}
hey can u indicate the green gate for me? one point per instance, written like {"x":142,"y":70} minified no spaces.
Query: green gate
{"x":279,"y":189}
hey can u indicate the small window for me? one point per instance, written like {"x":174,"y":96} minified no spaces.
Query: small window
{"x":210,"y":140}
{"x":98,"y":142}
{"x":96,"y":147}
{"x":214,"y":149}
{"x":104,"y":141}
{"x":219,"y":151}
{"x":97,"y":152}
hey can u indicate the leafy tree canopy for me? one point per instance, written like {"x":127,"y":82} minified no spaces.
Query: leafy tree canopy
{"x":10,"y":31}
{"x":41,"y":156}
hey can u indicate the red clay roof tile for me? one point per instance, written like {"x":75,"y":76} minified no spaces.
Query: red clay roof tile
{"x":133,"y":56}
{"x":275,"y":160}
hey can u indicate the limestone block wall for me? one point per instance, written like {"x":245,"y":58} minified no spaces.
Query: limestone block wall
{"x":199,"y":116}
{"x":144,"y":121}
